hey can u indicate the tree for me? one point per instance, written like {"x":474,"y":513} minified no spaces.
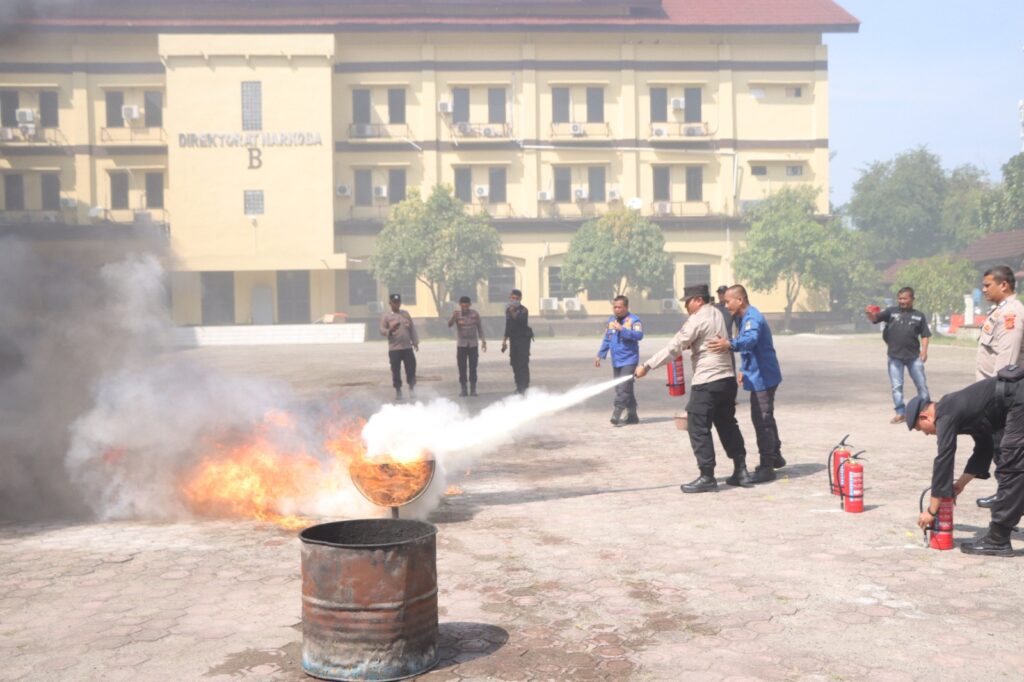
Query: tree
{"x":967,"y":190}
{"x":1004,"y":207}
{"x":437,"y":243}
{"x":939,"y":283}
{"x":618,"y":251}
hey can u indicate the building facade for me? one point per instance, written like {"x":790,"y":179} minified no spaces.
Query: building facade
{"x":271,"y":143}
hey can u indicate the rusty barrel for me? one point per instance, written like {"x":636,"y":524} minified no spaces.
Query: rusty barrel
{"x":369,"y":599}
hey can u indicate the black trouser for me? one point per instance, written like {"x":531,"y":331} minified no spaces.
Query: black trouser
{"x":625,"y":399}
{"x":762,"y":413}
{"x":714,"y":403}
{"x":467,"y":355}
{"x":1009,"y":503}
{"x":519,"y":358}
{"x":397,"y":357}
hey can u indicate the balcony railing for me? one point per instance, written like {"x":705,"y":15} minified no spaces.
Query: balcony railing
{"x":32,"y":134}
{"x":376,"y":212}
{"x":580,"y":129}
{"x":468,"y":130}
{"x":129,"y":134}
{"x":376,"y":131}
{"x":671,"y":131}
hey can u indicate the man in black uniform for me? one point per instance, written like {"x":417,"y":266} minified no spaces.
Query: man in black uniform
{"x":906,"y":334}
{"x":518,"y":336}
{"x":979,"y":410}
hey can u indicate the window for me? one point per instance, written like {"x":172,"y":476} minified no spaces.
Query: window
{"x":694,"y":183}
{"x":563,"y":183}
{"x":396,"y":185}
{"x":362,"y":287}
{"x":759,"y":170}
{"x":217,"y":291}
{"x":396,"y":105}
{"x":460,"y":105}
{"x":595,"y":183}
{"x":662,"y":183}
{"x":659,"y":105}
{"x":153,"y":104}
{"x":496,"y":105}
{"x":795,"y":91}
{"x":595,"y":105}
{"x":154,"y":190}
{"x":14,"y":192}
{"x":696,"y":274}
{"x":464,"y":185}
{"x":361,"y":106}
{"x":49,"y":111}
{"x":406,"y":289}
{"x":254,"y":202}
{"x":498,"y":179}
{"x":794,"y":171}
{"x":560,"y":105}
{"x":115,"y":100}
{"x":364,"y":187}
{"x":252,"y":105}
{"x":555,"y":289}
{"x":692,"y":101}
{"x":500,"y":282}
{"x":293,"y":296}
{"x":51,"y":191}
{"x":9,"y":108}
{"x":119,"y":190}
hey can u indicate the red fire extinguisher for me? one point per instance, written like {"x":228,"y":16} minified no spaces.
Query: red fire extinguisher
{"x":852,"y":473}
{"x":676,"y":379}
{"x":942,"y":526}
{"x":839,"y":454}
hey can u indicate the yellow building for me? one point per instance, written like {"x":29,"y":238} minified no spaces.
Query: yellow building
{"x":271,"y":142}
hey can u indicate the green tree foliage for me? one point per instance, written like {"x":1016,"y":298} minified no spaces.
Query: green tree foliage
{"x":438,"y":243}
{"x":939,"y":283}
{"x":1004,"y":208}
{"x":967,"y":192}
{"x":618,"y":251}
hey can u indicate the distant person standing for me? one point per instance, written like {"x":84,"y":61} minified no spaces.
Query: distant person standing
{"x":906,"y":336}
{"x":469,"y":340}
{"x":730,"y":321}
{"x":402,"y":341}
{"x":517,"y":339}
{"x":622,"y":339}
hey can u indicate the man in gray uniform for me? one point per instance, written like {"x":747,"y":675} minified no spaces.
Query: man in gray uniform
{"x":402,"y":341}
{"x":713,"y":391}
{"x":469,"y":332}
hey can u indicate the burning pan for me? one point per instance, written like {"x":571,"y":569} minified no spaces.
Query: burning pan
{"x":369,"y":599}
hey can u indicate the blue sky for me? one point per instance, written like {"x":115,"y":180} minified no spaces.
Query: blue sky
{"x":943,"y":73}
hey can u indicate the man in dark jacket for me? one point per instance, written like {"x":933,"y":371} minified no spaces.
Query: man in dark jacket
{"x":517,"y":339}
{"x":906,"y":335}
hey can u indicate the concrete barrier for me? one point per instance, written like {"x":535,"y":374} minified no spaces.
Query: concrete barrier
{"x":269,"y":335}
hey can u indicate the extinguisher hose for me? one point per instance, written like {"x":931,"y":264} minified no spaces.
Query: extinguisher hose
{"x":920,"y":508}
{"x":831,"y":454}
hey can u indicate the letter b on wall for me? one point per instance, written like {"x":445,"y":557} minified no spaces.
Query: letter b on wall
{"x":255,"y":158}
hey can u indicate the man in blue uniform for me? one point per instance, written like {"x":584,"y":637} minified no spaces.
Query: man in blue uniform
{"x":622,"y":338}
{"x":759,"y":374}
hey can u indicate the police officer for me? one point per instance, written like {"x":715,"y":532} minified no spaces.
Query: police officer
{"x":904,"y":326}
{"x":713,"y":392}
{"x":517,"y":339}
{"x":469,"y":340}
{"x":760,"y":375}
{"x":402,"y":341}
{"x":980,"y":410}
{"x":622,"y":338}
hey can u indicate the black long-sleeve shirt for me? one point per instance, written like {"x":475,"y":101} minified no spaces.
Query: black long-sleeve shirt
{"x":972,"y":411}
{"x":517,"y":322}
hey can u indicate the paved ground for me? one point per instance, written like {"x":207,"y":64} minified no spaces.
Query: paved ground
{"x":571,"y":555}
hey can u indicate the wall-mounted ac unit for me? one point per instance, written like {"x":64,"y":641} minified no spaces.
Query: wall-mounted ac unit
{"x":662,"y":208}
{"x":480,"y":191}
{"x":464,"y":128}
{"x":343,"y":191}
{"x":580,"y":194}
{"x":543,"y":196}
{"x":97,"y":212}
{"x":549,"y":305}
{"x":28,"y":131}
{"x":380,"y":191}
{"x":693,"y":131}
{"x":572,"y":305}
{"x":375,"y":307}
{"x":491,"y":131}
{"x":362,"y":130}
{"x":614,"y":195}
{"x":678,"y":104}
{"x":660,"y":131}
{"x":444,"y":107}
{"x":6,"y":134}
{"x":578,"y":129}
{"x":25,"y":116}
{"x":130,"y":112}
{"x":68,"y":202}
{"x":669,"y":305}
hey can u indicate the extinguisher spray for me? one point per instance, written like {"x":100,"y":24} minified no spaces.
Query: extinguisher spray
{"x":836,"y":457}
{"x":851,"y":476}
{"x":676,"y":380}
{"x":942,"y":526}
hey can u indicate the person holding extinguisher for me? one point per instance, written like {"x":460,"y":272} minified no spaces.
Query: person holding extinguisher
{"x":713,"y":394}
{"x":622,"y":338}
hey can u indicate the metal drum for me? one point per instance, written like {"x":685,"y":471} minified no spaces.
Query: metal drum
{"x":369,"y":599}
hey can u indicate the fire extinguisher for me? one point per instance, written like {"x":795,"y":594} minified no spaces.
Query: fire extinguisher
{"x":851,"y":476}
{"x":676,"y":379}
{"x":839,"y":453}
{"x":942,"y":526}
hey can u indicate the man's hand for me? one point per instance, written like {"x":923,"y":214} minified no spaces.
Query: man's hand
{"x":924,"y":356}
{"x":616,"y":326}
{"x":925,"y":520}
{"x":719,"y":345}
{"x":395,"y":326}
{"x":483,"y":345}
{"x":739,"y":378}
{"x":416,"y":347}
{"x":504,"y":346}
{"x":451,"y":320}
{"x":960,"y":484}
{"x":640,"y":372}
{"x":597,"y":362}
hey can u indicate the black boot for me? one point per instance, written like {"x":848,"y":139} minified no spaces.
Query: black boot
{"x":398,"y":393}
{"x":472,"y":390}
{"x":779,"y":462}
{"x":995,"y":543}
{"x":462,"y":393}
{"x":763,"y":474}
{"x":986,"y":502}
{"x":632,"y":418}
{"x":740,"y":477}
{"x":705,"y":483}
{"x":616,"y":415}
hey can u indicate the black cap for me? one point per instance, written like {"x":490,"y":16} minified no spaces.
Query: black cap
{"x":721,"y":289}
{"x":914,"y":407}
{"x":694,"y":291}
{"x":516,"y":292}
{"x":395,"y":298}
{"x":464,"y":299}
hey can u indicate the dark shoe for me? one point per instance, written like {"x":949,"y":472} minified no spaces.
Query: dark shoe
{"x":763,"y":474}
{"x":740,"y":477}
{"x":986,"y":502}
{"x":987,"y":546}
{"x":398,"y":394}
{"x":616,"y":415}
{"x":632,"y":418}
{"x":463,"y":393}
{"x":779,"y":462}
{"x":701,"y":484}
{"x":472,"y":390}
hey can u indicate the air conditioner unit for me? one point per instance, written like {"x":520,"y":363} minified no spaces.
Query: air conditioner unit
{"x":614,"y":195}
{"x":659,"y":131}
{"x":464,"y":128}
{"x":142,"y":217}
{"x":444,"y":107}
{"x":130,"y":112}
{"x":362,"y":130}
{"x":490,"y":132}
{"x":49,"y":217}
{"x":25,"y":116}
{"x":380,"y":191}
{"x":375,"y":307}
{"x":678,"y":104}
{"x":97,"y":212}
{"x":6,"y":134}
{"x":580,"y":194}
{"x":480,"y":191}
{"x":578,"y":129}
{"x":669,"y":305}
{"x":662,"y":208}
{"x":549,"y":305}
{"x":68,"y":202}
{"x":572,"y":305}
{"x":693,"y":131}
{"x":28,"y":130}
{"x":343,"y":191}
{"x":543,"y":196}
